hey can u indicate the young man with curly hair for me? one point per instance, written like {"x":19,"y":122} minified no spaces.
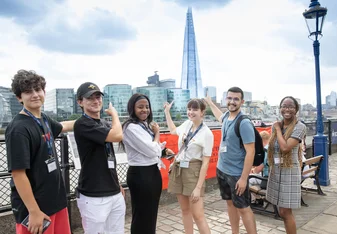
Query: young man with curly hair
{"x":37,"y":187}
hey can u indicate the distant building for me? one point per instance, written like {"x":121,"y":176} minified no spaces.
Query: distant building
{"x":118,"y":95}
{"x":211,"y":90}
{"x":223,"y":99}
{"x":14,"y":105}
{"x":167,"y":83}
{"x":5,"y":112}
{"x":157,"y":96}
{"x":190,"y":75}
{"x":59,"y":103}
{"x":247,"y":96}
{"x":153,"y":80}
{"x":331,"y":100}
{"x":179,"y":107}
{"x":77,"y":107}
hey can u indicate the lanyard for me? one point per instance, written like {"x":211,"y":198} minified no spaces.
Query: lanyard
{"x":147,"y":130}
{"x":227,"y":127}
{"x":108,"y":147}
{"x":190,"y":135}
{"x":48,"y":137}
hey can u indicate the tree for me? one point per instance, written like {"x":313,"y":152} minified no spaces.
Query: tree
{"x":178,"y":117}
{"x":74,"y":116}
{"x":209,"y":111}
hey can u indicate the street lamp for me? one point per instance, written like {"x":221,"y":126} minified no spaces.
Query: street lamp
{"x":314,"y":18}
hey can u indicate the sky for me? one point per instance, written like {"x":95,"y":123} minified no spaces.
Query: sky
{"x":261,"y":46}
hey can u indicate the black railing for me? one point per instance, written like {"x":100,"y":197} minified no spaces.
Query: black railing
{"x":70,"y":174}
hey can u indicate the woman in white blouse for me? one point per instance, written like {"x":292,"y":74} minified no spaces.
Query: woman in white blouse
{"x":143,"y":149}
{"x":188,"y":172}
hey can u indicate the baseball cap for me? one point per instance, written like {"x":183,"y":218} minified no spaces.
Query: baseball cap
{"x":87,"y":89}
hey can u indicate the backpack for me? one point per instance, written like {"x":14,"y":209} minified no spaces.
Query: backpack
{"x":259,"y":149}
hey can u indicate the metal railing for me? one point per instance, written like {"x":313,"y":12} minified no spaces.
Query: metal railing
{"x":70,"y":174}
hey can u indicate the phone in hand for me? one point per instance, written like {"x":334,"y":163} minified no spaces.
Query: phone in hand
{"x":46,"y":223}
{"x":168,"y":156}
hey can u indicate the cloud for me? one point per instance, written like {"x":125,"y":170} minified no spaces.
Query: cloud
{"x":296,"y":28}
{"x":201,"y":4}
{"x":26,"y":12}
{"x":97,"y":32}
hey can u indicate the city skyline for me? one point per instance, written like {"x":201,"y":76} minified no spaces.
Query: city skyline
{"x":239,"y":44}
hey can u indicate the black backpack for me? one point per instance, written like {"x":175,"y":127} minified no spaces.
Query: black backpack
{"x":259,"y":149}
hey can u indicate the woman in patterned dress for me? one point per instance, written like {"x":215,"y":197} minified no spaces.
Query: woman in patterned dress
{"x":284,"y":157}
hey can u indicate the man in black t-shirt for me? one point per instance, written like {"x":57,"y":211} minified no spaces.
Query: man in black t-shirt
{"x":37,"y":186}
{"x":100,"y":197}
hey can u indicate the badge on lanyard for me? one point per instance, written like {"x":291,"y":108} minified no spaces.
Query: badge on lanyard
{"x":51,"y":164}
{"x":277,"y":160}
{"x":111,"y":162}
{"x":223,"y":149}
{"x":184,"y":164}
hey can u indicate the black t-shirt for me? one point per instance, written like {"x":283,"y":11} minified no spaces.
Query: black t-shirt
{"x":96,"y":179}
{"x":27,"y":149}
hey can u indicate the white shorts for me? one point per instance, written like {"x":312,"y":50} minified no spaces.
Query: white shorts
{"x":102,"y":214}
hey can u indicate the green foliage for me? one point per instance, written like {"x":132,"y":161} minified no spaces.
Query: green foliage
{"x":178,"y":117}
{"x":209,"y":111}
{"x":74,"y":116}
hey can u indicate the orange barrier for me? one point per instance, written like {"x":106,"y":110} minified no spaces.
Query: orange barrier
{"x":172,"y":143}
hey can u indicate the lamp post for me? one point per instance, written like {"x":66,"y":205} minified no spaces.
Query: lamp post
{"x":314,"y":18}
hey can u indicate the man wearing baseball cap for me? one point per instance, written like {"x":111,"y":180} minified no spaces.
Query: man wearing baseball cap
{"x":100,"y":198}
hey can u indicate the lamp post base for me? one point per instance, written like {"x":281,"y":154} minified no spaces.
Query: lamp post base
{"x":321,"y":148}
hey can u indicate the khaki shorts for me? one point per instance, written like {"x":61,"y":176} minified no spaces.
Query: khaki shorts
{"x":184,"y":180}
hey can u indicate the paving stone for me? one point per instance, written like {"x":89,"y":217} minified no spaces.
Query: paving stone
{"x":165,"y":228}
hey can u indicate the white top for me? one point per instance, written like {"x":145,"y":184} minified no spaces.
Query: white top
{"x":140,"y":148}
{"x":200,"y":145}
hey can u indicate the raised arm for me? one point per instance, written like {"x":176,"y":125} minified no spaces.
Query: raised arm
{"x":215,"y":110}
{"x":169,"y":121}
{"x":116,"y":132}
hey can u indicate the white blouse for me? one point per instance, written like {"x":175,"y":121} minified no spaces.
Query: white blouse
{"x":140,"y":148}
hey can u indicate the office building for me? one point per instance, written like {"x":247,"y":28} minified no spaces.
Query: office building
{"x":59,"y":103}
{"x":179,"y":107}
{"x":118,"y":95}
{"x":211,"y":91}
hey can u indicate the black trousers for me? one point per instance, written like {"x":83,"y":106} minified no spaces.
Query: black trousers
{"x":145,"y":185}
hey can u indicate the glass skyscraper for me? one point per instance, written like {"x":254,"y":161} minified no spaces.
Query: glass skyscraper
{"x":59,"y":103}
{"x":211,"y":91}
{"x":179,"y":107}
{"x":118,"y":95}
{"x":190,"y":75}
{"x":14,"y":105}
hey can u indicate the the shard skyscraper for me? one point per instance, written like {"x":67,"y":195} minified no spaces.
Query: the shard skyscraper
{"x":190,"y":75}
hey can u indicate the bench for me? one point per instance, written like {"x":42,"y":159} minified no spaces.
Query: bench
{"x":267,"y":208}
{"x":314,"y":164}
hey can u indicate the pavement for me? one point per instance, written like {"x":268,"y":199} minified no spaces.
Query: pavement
{"x":319,"y":217}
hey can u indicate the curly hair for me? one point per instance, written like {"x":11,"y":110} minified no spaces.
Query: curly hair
{"x":27,"y":80}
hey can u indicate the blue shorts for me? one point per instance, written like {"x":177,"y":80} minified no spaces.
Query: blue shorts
{"x":228,"y":192}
